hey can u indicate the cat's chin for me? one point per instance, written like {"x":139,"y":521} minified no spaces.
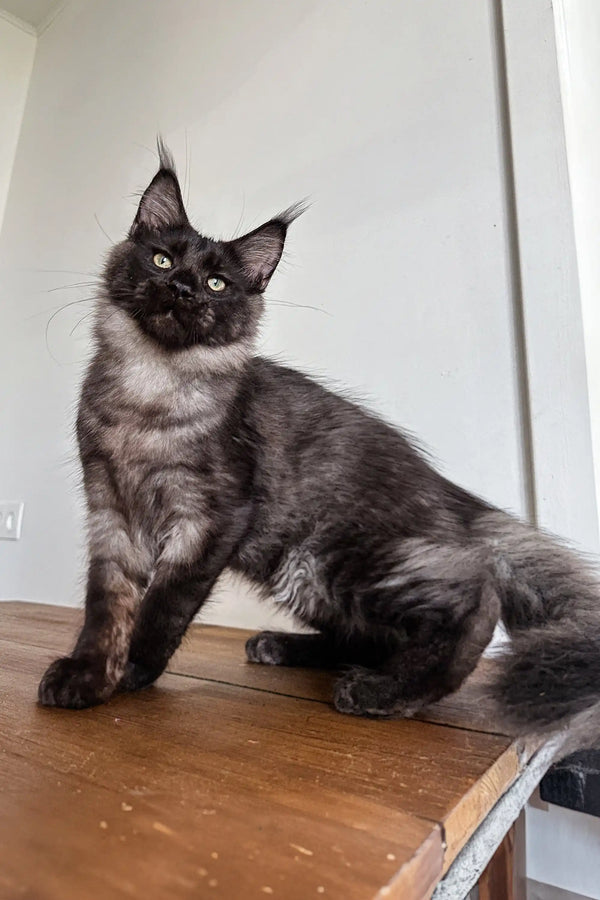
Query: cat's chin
{"x":165,"y":329}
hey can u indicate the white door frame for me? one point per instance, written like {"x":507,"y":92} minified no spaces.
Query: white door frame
{"x":549,"y":336}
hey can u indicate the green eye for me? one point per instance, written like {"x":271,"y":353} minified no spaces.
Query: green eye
{"x":216,"y":284}
{"x":162,"y":260}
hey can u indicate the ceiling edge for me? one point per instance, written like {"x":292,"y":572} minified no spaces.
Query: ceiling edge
{"x":45,"y":23}
{"x":17,"y":22}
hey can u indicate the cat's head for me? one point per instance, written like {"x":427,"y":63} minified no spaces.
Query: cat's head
{"x":183,"y":289}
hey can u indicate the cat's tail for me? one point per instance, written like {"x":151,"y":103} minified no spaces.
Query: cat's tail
{"x":548,"y":677}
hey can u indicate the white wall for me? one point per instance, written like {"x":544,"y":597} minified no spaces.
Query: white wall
{"x":17,"y":49}
{"x":383,"y":113}
{"x":563,"y":849}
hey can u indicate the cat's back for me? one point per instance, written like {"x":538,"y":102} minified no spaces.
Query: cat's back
{"x":297,"y":414}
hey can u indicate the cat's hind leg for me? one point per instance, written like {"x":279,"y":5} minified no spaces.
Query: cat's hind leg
{"x":442,"y":651}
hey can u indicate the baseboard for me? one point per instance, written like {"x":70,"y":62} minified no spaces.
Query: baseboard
{"x":538,"y":891}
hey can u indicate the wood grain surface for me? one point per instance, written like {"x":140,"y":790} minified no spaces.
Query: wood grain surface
{"x":497,"y":882}
{"x":227,"y":779}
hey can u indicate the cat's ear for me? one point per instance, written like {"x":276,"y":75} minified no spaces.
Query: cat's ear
{"x":161,"y":205}
{"x":259,"y":251}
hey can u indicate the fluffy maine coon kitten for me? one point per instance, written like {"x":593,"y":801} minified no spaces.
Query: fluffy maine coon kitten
{"x":198,"y":456}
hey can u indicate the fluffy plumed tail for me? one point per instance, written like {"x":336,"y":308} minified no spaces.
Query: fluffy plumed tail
{"x":549,"y":675}
{"x":551,"y":678}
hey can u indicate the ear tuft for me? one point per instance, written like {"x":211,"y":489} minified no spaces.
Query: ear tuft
{"x":259,"y":251}
{"x":161,"y":205}
{"x":164,"y":155}
{"x":293,"y":212}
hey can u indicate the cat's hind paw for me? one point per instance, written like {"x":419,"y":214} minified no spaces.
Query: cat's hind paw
{"x":362,"y":692}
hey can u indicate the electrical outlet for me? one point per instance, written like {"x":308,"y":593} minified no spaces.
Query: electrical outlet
{"x":11,"y":517}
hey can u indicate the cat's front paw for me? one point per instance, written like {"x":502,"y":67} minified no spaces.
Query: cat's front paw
{"x":74,"y":683}
{"x":362,"y":692}
{"x":137,"y":677}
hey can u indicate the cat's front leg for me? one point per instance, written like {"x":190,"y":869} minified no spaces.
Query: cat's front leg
{"x":117,"y":576}
{"x":168,"y":608}
{"x":180,"y":587}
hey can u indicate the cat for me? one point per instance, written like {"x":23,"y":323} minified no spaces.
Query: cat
{"x":199,"y":456}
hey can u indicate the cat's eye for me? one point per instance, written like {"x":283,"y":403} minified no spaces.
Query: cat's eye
{"x":216,"y":284}
{"x":162,"y":260}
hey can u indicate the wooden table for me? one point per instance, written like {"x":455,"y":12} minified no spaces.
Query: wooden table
{"x":229,"y":780}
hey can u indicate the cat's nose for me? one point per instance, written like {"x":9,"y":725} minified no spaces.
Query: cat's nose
{"x":181,"y":289}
